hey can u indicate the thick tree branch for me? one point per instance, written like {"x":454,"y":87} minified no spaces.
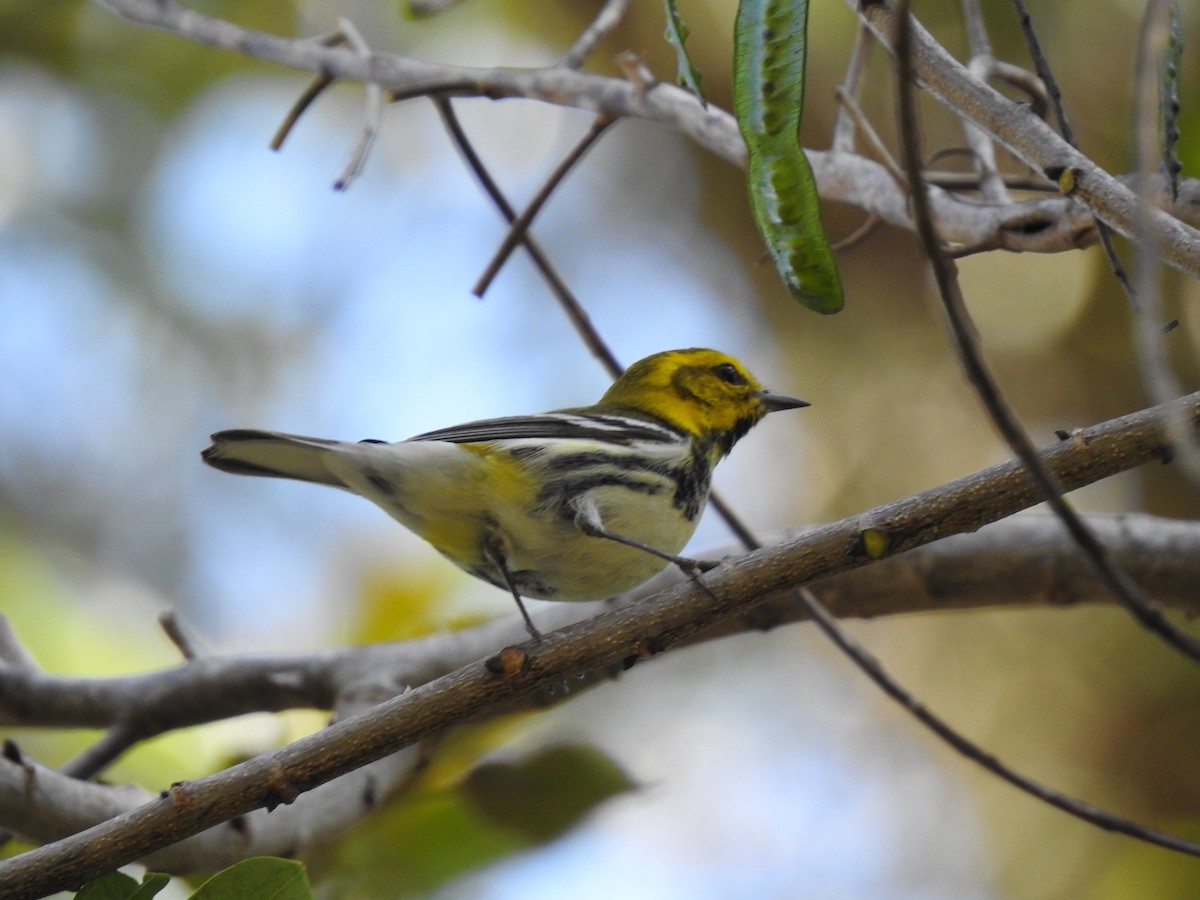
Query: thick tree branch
{"x":614,"y":638}
{"x":45,"y":805}
{"x":1026,"y":561}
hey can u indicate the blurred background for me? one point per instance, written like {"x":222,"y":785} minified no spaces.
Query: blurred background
{"x":163,"y":275}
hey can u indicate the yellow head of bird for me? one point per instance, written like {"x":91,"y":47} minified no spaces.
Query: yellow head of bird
{"x":708,"y":394}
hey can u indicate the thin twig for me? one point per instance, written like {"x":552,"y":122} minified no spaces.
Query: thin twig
{"x":372,"y":112}
{"x":969,"y":180}
{"x":991,"y":186}
{"x":638,"y":73}
{"x":521,"y":223}
{"x":12,"y":651}
{"x":848,"y":106}
{"x":317,"y":87}
{"x":184,"y":641}
{"x":100,"y":755}
{"x":1145,"y":610}
{"x":972,"y":751}
{"x":606,"y":20}
{"x":962,"y":181}
{"x":305,"y":100}
{"x":562,"y":293}
{"x":1041,"y":65}
{"x":847,"y":91}
{"x":859,"y":234}
{"x":1150,"y":339}
{"x":1024,"y":81}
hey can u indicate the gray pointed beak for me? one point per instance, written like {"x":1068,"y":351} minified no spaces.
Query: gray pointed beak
{"x":776,"y":402}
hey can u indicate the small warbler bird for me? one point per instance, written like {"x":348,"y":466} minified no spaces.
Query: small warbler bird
{"x":576,"y":504}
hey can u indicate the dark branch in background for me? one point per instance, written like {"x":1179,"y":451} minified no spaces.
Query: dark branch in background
{"x":1145,"y":610}
{"x":1118,"y":580}
{"x":520,"y":225}
{"x":1042,"y":65}
{"x":614,"y":638}
{"x":562,"y":293}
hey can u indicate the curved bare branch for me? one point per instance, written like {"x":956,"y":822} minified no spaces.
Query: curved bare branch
{"x":1046,"y":225}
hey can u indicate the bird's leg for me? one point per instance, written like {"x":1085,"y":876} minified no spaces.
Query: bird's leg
{"x":587,"y":520}
{"x":494,"y":554}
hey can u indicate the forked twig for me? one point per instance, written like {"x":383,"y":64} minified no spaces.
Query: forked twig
{"x":372,"y":112}
{"x":847,"y":91}
{"x":981,"y":64}
{"x":315,"y":88}
{"x":850,"y":116}
{"x":606,"y":20}
{"x":521,"y":223}
{"x":1042,"y":66}
{"x":562,"y":293}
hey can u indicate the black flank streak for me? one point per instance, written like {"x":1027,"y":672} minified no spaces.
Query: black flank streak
{"x":559,"y":492}
{"x":631,"y":462}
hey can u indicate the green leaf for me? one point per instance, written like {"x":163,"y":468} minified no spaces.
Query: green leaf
{"x":119,"y":886}
{"x":770,"y":43}
{"x":1169,"y":104}
{"x":414,"y":844}
{"x":263,"y":878}
{"x":544,"y":794}
{"x":113,"y":886}
{"x":677,"y":34}
{"x":152,"y":883}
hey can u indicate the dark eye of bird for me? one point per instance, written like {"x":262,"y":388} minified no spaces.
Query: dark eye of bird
{"x":728,"y":373}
